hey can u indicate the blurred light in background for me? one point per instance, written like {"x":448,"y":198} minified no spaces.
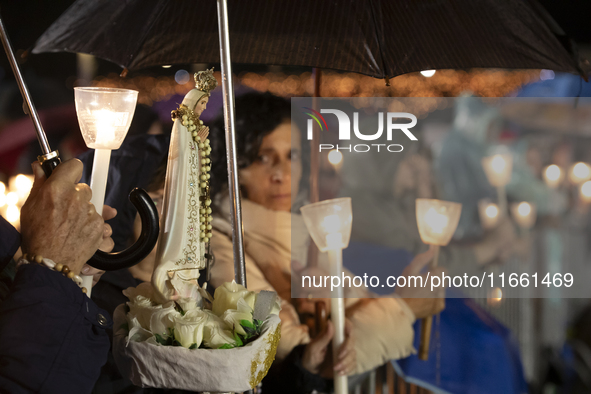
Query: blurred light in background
{"x":553,"y":176}
{"x":579,"y":172}
{"x":495,"y":297}
{"x":167,"y":66}
{"x":585,"y":192}
{"x":11,"y":198}
{"x":546,"y":75}
{"x":21,"y":184}
{"x":489,"y":214}
{"x":428,"y":73}
{"x":13,"y":215}
{"x":14,"y":196}
{"x":524,"y":214}
{"x":182,"y":77}
{"x":335,"y":158}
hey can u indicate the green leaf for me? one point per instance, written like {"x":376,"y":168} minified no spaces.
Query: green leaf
{"x":238,"y":340}
{"x":226,"y":346}
{"x":159,"y":339}
{"x":246,"y":323}
{"x":193,"y":346}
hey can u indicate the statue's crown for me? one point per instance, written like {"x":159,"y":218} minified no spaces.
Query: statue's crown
{"x":205,"y":81}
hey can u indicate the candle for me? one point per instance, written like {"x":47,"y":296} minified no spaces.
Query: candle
{"x":104,"y":116}
{"x":498,"y":169}
{"x":329,"y":223}
{"x":524,"y":214}
{"x":585,"y":192}
{"x":553,"y":176}
{"x":489,"y":214}
{"x":437,"y":221}
{"x":579,"y":172}
{"x":336,"y":159}
{"x":498,"y":172}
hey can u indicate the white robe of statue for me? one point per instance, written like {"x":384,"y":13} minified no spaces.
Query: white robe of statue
{"x":180,"y":253}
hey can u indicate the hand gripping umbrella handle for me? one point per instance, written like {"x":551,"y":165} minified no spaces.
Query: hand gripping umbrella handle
{"x":50,"y":160}
{"x":143,"y":246}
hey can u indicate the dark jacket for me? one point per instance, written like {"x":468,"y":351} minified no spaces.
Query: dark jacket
{"x":52,"y":336}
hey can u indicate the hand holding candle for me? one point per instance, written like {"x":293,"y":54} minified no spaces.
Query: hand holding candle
{"x":437,"y":221}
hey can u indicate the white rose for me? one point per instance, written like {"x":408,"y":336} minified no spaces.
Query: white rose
{"x":187,"y":304}
{"x":188,"y":329}
{"x":226,"y":297}
{"x":136,"y":332}
{"x":216,"y":334}
{"x":162,"y":319}
{"x":251,"y":299}
{"x":145,"y":290}
{"x":233,"y":317}
{"x":142,"y":308}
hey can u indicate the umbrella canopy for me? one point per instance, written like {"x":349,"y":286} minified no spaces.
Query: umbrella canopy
{"x":380,"y":38}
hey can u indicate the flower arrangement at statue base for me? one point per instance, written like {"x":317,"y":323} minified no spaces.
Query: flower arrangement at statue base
{"x":224,"y":344}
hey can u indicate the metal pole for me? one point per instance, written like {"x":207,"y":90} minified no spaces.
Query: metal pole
{"x":228,"y":89}
{"x":24,"y":91}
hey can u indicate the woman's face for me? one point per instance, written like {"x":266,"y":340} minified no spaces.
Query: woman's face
{"x":201,"y":105}
{"x":275,"y":175}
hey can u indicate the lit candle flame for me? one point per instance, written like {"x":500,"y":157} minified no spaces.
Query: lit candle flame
{"x":524,"y":208}
{"x":580,"y":172}
{"x":437,"y":221}
{"x":498,"y":164}
{"x":492,"y":211}
{"x":586,"y":191}
{"x":331,"y":224}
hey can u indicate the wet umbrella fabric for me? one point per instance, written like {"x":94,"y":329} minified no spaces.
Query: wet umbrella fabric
{"x":374,"y":37}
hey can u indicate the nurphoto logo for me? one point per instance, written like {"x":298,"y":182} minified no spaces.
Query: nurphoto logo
{"x":392,"y":120}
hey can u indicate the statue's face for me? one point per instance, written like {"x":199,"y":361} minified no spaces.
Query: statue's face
{"x":270,"y":180}
{"x":201,"y":105}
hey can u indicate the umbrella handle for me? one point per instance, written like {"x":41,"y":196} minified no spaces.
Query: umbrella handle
{"x":49,"y":162}
{"x":143,"y":246}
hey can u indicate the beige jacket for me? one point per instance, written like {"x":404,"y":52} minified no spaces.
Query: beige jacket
{"x":382,"y":327}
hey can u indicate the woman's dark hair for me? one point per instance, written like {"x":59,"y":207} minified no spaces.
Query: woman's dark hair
{"x":257,"y":115}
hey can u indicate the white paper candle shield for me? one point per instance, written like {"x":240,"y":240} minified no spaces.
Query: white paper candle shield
{"x":329,"y":223}
{"x":104,"y":115}
{"x":437,"y":220}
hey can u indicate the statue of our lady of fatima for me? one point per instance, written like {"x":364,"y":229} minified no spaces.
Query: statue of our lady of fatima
{"x":186,"y":217}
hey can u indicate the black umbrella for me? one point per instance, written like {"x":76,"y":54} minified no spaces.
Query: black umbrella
{"x":380,"y":38}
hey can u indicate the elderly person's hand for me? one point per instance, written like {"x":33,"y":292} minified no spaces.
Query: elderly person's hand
{"x":58,"y":221}
{"x":106,"y":246}
{"x":317,"y":357}
{"x":421,"y":300}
